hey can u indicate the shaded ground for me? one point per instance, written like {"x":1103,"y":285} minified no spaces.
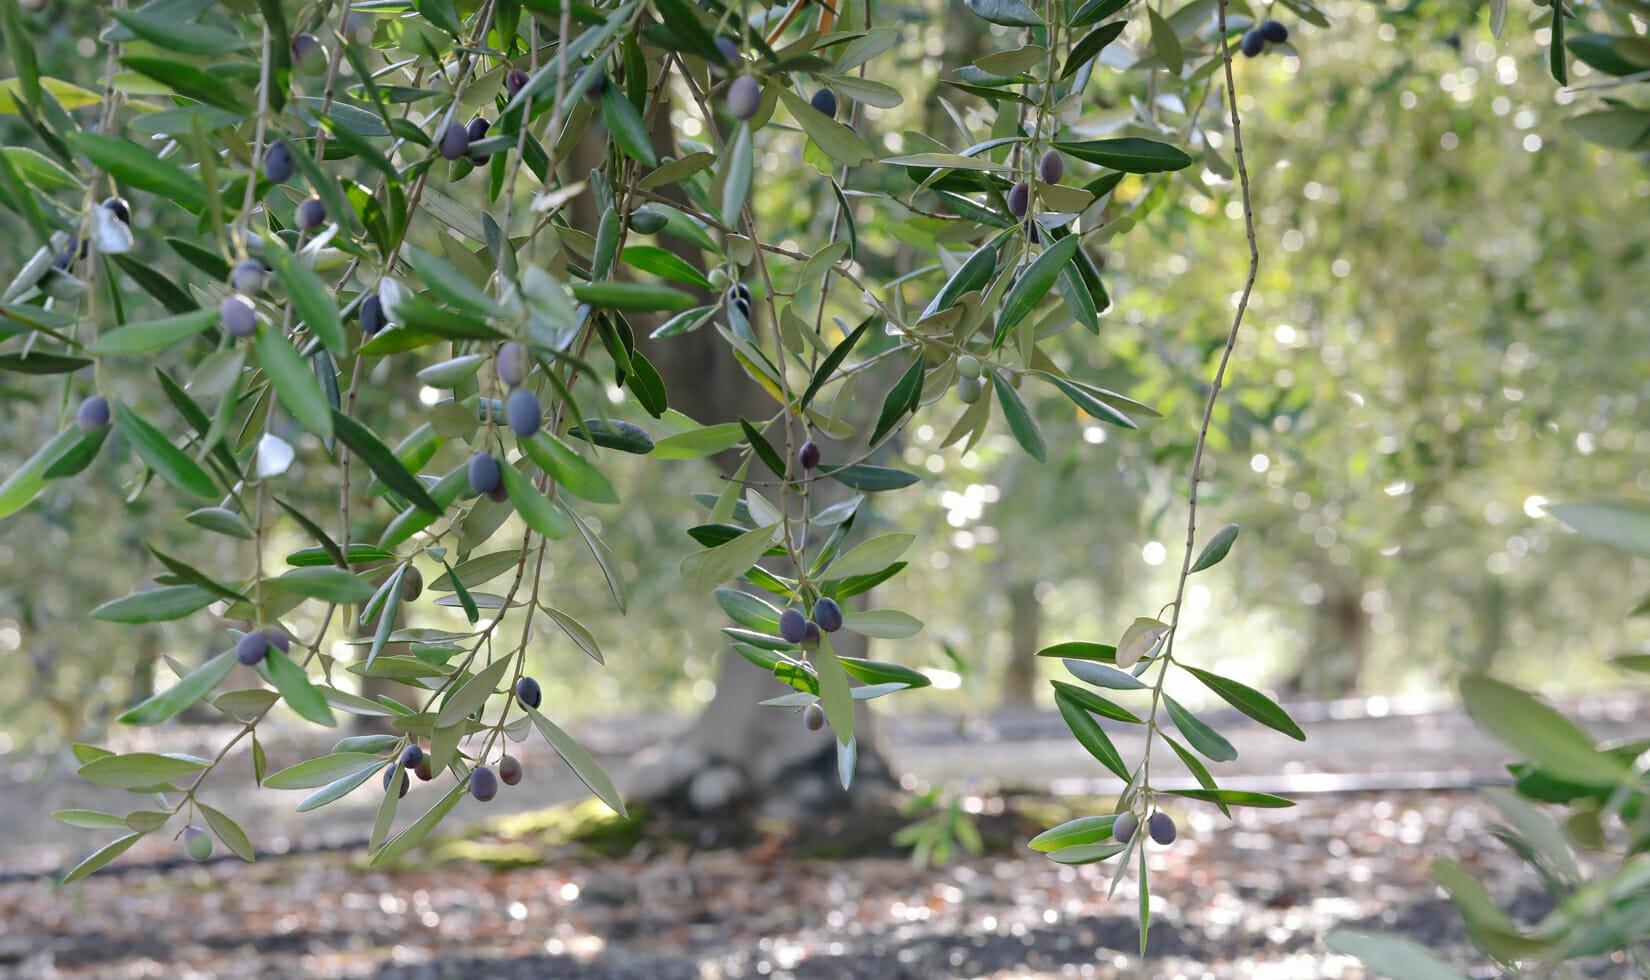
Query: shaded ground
{"x":1250,"y":897}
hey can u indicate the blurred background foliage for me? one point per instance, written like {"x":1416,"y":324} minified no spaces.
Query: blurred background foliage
{"x":1447,"y":332}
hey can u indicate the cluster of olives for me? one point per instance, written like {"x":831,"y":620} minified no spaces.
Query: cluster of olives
{"x":1256,"y":39}
{"x":1160,"y":825}
{"x":455,"y":141}
{"x":799,"y":629}
{"x":522,"y":413}
{"x":484,"y":779}
{"x":970,"y":385}
{"x":1050,"y":168}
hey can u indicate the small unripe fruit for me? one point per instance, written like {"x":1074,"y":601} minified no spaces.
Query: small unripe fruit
{"x":197,"y":843}
{"x":485,"y":473}
{"x":793,"y":626}
{"x":1161,"y":827}
{"x":968,"y":366}
{"x":1123,"y":829}
{"x":828,"y":614}
{"x":278,"y":163}
{"x":238,"y":316}
{"x":411,"y":756}
{"x":483,"y":784}
{"x":522,"y":412}
{"x":308,"y":54}
{"x":1019,"y":199}
{"x":412,"y":584}
{"x":825,"y":101}
{"x":648,"y":220}
{"x":92,"y":415}
{"x":1051,"y":167}
{"x":389,"y":775}
{"x":252,"y":648}
{"x":528,"y":693}
{"x":1254,"y":42}
{"x":808,"y":455}
{"x":514,"y":81}
{"x":312,"y":214}
{"x":476,"y":131}
{"x":509,"y":770}
{"x":423,"y":769}
{"x":1274,"y":32}
{"x":455,"y":142}
{"x":730,"y":50}
{"x":511,"y":363}
{"x":810,"y":639}
{"x":813,"y":717}
{"x":718,"y":277}
{"x":249,"y":276}
{"x":970,"y":390}
{"x":278,"y":638}
{"x":120,"y":209}
{"x":744,"y":97}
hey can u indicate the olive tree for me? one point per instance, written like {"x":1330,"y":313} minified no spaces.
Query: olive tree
{"x":254,"y":232}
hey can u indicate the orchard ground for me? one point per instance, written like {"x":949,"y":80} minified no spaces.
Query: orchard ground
{"x":505,"y":894}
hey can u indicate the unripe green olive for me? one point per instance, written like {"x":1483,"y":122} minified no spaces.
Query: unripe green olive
{"x":970,"y":390}
{"x":968,"y":366}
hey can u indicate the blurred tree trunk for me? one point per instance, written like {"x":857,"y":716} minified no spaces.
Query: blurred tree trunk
{"x":1337,"y":647}
{"x":1025,"y":624}
{"x":739,"y":759}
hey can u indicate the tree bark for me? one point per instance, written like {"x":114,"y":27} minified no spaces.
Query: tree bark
{"x":1025,"y":619}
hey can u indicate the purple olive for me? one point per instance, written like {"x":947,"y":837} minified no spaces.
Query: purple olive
{"x":389,"y":775}
{"x":828,"y":614}
{"x":249,"y":276}
{"x":1254,"y":42}
{"x":810,"y":638}
{"x":793,"y":626}
{"x":486,"y":475}
{"x":483,"y":784}
{"x":476,"y":131}
{"x":312,"y":214}
{"x":813,"y":717}
{"x":808,"y":455}
{"x":825,"y":101}
{"x":411,"y":756}
{"x":1019,"y":199}
{"x":511,"y":363}
{"x":597,"y":86}
{"x":514,"y":81}
{"x":509,"y":770}
{"x":1161,"y":827}
{"x":522,"y":412}
{"x":238,"y":316}
{"x":1051,"y":167}
{"x":371,"y":315}
{"x":744,"y":97}
{"x":121,"y":210}
{"x":1274,"y":32}
{"x":730,"y":50}
{"x":528,"y":692}
{"x":278,"y":163}
{"x":92,"y":415}
{"x":498,"y":494}
{"x":412,"y":584}
{"x":424,"y":770}
{"x":455,"y":141}
{"x":252,"y":648}
{"x":309,"y":54}
{"x":1123,"y":828}
{"x":278,"y":638}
